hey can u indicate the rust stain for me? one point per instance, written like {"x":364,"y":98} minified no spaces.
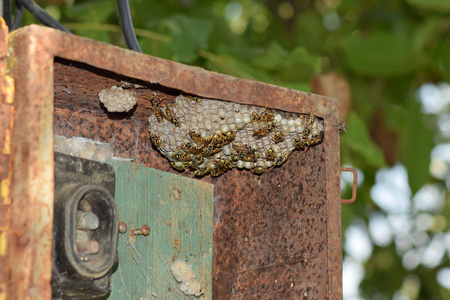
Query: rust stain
{"x":7,"y":142}
{"x":8,"y":89}
{"x":176,"y":193}
{"x":31,"y":214}
{"x":278,"y":232}
{"x":6,"y":123}
{"x":6,"y":190}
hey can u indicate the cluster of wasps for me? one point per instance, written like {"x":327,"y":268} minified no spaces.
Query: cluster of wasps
{"x":221,"y":150}
{"x":166,"y":113}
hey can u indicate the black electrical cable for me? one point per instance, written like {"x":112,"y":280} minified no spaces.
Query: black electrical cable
{"x":18,"y":16}
{"x":127,"y":25}
{"x":42,"y":15}
{"x":7,"y":12}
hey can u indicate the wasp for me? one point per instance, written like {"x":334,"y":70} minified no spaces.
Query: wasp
{"x":300,"y":143}
{"x":244,"y":152}
{"x":221,"y":166}
{"x":181,"y":156}
{"x":223,"y":162}
{"x":229,"y":135}
{"x":261,"y":117}
{"x":234,"y":156}
{"x":319,"y":139}
{"x":270,"y":154}
{"x":191,"y":148}
{"x":179,"y":168}
{"x":156,"y":139}
{"x":244,"y":148}
{"x":198,"y":139}
{"x":278,"y":136}
{"x":202,"y":171}
{"x":195,"y":98}
{"x":196,"y":161}
{"x":223,"y":138}
{"x":252,"y":157}
{"x":316,"y":140}
{"x":280,"y":159}
{"x":219,"y":140}
{"x":305,"y":143}
{"x":210,"y":150}
{"x":153,"y":102}
{"x":265,"y":131}
{"x":155,"y":106}
{"x":171,"y":117}
{"x":255,"y":169}
{"x":308,"y":124}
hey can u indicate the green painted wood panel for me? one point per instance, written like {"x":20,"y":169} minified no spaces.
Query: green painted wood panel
{"x":179,"y":212}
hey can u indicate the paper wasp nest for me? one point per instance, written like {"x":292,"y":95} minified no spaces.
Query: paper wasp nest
{"x":212,"y":137}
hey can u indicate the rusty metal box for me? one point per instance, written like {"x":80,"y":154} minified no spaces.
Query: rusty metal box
{"x":276,"y":235}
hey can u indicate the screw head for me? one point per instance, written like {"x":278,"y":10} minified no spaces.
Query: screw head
{"x":145,"y":230}
{"x":122,"y":227}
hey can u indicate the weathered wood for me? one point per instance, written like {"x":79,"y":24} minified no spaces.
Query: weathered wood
{"x":179,"y":212}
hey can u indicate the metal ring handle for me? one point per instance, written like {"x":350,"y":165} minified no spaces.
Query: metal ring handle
{"x":354,"y":186}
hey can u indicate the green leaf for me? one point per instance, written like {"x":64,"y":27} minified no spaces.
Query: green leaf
{"x":96,"y":12}
{"x":310,"y":31}
{"x":155,"y":48}
{"x":427,"y":31}
{"x":273,"y":58}
{"x":380,"y":54}
{"x":302,"y":64}
{"x":91,"y":12}
{"x":443,"y":58}
{"x":358,"y":140}
{"x":440,"y":6}
{"x":296,"y":65}
{"x":416,"y":146}
{"x":188,"y":35}
{"x":296,"y":85}
{"x":240,"y":52}
{"x":235,"y":67}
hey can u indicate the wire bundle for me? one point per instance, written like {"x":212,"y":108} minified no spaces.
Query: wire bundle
{"x":41,"y":15}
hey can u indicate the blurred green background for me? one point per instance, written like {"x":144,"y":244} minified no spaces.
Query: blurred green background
{"x":387,"y":61}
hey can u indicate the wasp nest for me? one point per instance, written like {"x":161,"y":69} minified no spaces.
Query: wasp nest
{"x":212,"y":137}
{"x":117,"y":99}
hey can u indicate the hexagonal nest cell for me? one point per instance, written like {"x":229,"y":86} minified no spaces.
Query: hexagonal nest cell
{"x":211,"y":136}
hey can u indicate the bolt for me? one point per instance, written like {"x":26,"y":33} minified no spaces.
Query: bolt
{"x":88,"y":247}
{"x":87,"y":220}
{"x":122,"y":227}
{"x":102,"y":283}
{"x":145,"y":230}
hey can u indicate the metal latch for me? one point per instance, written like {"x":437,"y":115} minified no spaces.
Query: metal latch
{"x":354,"y":185}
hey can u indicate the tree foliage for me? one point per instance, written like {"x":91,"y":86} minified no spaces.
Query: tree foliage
{"x":384,"y":49}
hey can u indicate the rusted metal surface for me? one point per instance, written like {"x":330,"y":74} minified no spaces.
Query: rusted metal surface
{"x":29,"y":259}
{"x":354,"y":185}
{"x":185,"y":78}
{"x":6,"y":123}
{"x":276,"y":236}
{"x":271,"y":232}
